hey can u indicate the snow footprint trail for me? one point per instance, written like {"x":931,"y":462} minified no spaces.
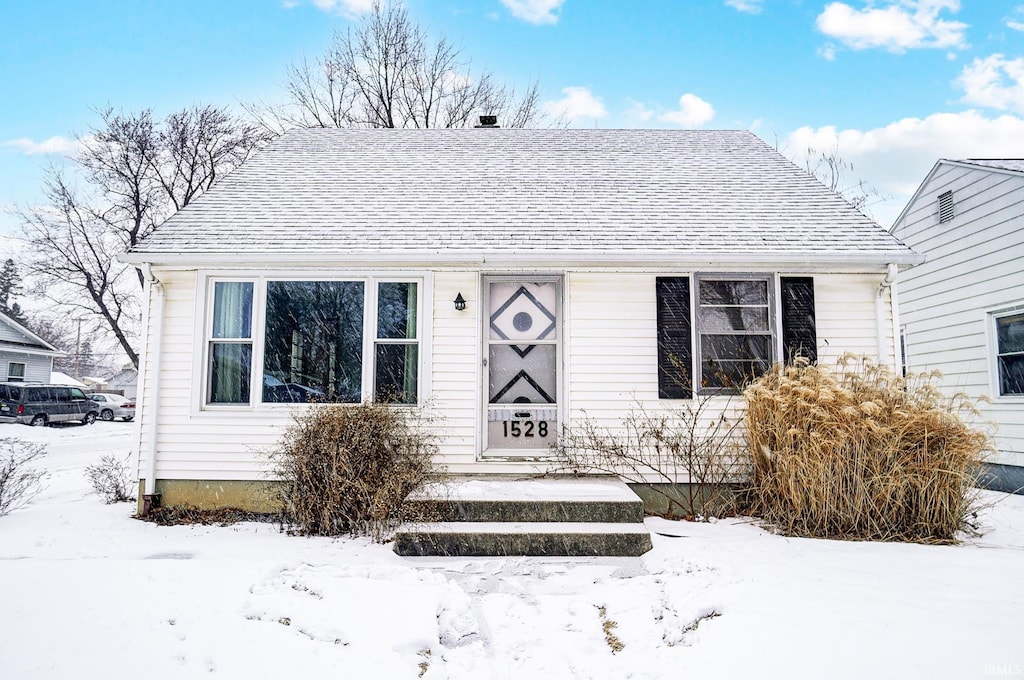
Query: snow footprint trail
{"x":594,"y":619}
{"x":389,"y":620}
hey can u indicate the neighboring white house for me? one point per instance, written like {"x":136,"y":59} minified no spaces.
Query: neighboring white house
{"x":24,"y":356}
{"x":513,"y":279}
{"x":963,"y":309}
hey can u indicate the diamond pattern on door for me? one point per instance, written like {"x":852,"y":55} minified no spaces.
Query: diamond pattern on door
{"x":522,"y":373}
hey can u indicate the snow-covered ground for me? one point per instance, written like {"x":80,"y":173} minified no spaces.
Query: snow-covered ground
{"x":88,"y":592}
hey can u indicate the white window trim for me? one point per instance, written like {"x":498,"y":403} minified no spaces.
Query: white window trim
{"x":773,"y":281}
{"x":992,"y":344}
{"x":204,"y":318}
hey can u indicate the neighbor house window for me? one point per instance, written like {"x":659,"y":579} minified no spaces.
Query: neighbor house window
{"x":230,"y":344}
{"x":16,"y":371}
{"x":722,"y":332}
{"x":1010,"y":353}
{"x":314,"y":342}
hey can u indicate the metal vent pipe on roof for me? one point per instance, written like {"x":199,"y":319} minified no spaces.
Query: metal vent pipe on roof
{"x":488,"y":122}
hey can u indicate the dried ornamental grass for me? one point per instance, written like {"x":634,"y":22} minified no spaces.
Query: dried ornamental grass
{"x":861,"y":453}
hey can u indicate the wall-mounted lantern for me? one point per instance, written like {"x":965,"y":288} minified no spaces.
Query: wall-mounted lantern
{"x":460,"y":302}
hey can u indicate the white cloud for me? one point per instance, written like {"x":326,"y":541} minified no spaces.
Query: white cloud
{"x":827,"y":52}
{"x":344,"y":7}
{"x":897,"y":27}
{"x":994,"y":82}
{"x":693,"y":112}
{"x":578,"y":103}
{"x":638,"y":111}
{"x":1015,"y":25}
{"x":749,"y":6}
{"x":534,"y":11}
{"x":895,"y":158}
{"x":61,"y":145}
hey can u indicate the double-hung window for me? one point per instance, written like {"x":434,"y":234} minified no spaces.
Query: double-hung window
{"x":1010,"y":353}
{"x":723,"y":330}
{"x":330,"y":341}
{"x":16,"y":371}
{"x":229,"y":353}
{"x":734,"y":325}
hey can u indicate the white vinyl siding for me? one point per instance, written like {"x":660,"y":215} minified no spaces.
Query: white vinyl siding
{"x":610,"y":364}
{"x":975,"y":270}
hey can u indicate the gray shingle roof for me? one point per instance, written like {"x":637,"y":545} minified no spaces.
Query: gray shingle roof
{"x":1015,"y":164}
{"x":622,"y":195}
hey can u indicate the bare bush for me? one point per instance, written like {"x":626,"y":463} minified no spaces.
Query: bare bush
{"x":688,"y":456}
{"x":347,"y":468}
{"x":861,"y":453}
{"x":112,"y":478}
{"x":19,"y":480}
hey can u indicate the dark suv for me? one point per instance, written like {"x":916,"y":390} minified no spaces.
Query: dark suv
{"x":34,"y":404}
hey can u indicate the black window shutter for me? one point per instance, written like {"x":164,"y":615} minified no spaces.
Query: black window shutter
{"x":675,"y":344}
{"x":799,"y":337}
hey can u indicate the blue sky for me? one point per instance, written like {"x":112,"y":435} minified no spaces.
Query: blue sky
{"x":896,"y":84}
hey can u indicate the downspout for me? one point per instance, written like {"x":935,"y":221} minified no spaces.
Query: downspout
{"x":889,"y":282}
{"x":150,"y":498}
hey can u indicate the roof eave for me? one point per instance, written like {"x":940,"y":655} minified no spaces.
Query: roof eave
{"x":853,"y":260}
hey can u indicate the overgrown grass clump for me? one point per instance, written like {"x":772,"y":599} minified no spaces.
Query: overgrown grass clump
{"x":861,"y":453}
{"x":347,"y":468}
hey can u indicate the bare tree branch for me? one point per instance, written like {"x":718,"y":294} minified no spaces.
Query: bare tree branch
{"x":388,"y":73}
{"x":137,"y":173}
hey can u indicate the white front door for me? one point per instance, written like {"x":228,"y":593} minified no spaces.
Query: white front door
{"x":522,"y":356}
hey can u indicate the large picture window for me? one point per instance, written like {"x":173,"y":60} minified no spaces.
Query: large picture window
{"x":309,"y":342}
{"x":313,"y":344}
{"x":1010,"y":353}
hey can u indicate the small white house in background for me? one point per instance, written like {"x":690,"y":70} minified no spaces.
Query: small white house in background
{"x":963,"y":309}
{"x":512,"y":279}
{"x":24,"y":356}
{"x":124,"y":382}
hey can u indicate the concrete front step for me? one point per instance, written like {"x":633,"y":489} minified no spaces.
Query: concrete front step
{"x":554,"y":539}
{"x":500,"y":517}
{"x":528,"y":500}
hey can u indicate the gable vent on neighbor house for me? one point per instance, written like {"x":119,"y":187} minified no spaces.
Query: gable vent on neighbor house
{"x":945,"y":207}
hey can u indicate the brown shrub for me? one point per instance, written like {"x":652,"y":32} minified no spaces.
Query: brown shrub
{"x":348,"y":468}
{"x":861,"y":453}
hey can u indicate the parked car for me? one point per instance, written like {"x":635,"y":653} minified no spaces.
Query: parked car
{"x":114,"y":406}
{"x":34,"y":404}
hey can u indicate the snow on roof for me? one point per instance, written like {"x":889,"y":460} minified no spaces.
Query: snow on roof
{"x":58,"y":378}
{"x":429,"y":195}
{"x":1014,"y":164}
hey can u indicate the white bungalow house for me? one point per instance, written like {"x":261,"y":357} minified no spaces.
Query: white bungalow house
{"x":963,"y":309}
{"x":513,"y":279}
{"x":24,"y":356}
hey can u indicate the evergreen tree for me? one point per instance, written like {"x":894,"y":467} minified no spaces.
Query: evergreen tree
{"x":10,"y":287}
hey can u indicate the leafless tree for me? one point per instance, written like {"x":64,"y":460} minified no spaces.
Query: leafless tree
{"x":136,"y":172}
{"x":388,"y":73}
{"x":835,"y":173}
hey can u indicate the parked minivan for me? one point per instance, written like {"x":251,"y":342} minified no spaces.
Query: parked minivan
{"x":34,"y":404}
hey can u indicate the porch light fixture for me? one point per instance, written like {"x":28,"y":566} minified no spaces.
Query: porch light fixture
{"x":460,"y":302}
